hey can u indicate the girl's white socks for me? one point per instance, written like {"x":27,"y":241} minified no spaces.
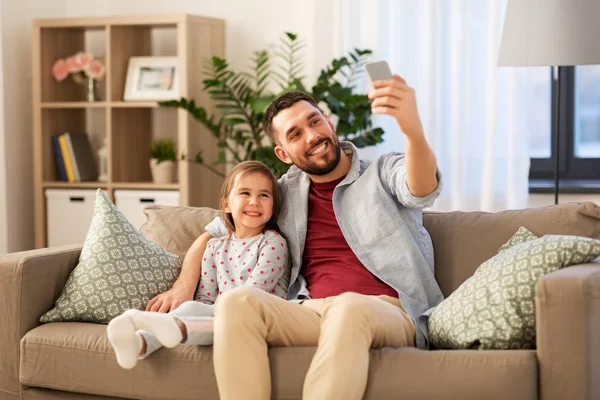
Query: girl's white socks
{"x":163,"y":326}
{"x":127,"y":342}
{"x":124,"y":339}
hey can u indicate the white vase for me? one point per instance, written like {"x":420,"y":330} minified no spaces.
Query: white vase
{"x":163,"y":172}
{"x":103,"y":162}
{"x":91,"y":89}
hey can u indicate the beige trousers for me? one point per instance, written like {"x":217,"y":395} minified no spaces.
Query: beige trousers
{"x":345,"y":327}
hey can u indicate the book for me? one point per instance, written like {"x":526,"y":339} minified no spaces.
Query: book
{"x":64,"y":150}
{"x":72,"y":156}
{"x":61,"y":172}
{"x":84,"y":161}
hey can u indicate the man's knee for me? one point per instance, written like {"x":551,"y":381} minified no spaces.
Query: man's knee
{"x":349,"y":308}
{"x":236,"y":300}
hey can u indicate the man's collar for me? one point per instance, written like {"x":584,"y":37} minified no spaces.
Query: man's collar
{"x":352,"y":152}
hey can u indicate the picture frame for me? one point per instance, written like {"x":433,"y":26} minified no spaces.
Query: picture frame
{"x":152,"y":78}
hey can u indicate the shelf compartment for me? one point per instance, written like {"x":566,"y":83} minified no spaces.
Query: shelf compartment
{"x":64,"y":42}
{"x":131,"y":138}
{"x":133,"y":130}
{"x":56,"y":121}
{"x":128,"y":41}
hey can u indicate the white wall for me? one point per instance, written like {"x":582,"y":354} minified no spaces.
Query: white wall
{"x":16,"y":173}
{"x":250,"y":25}
{"x":3,"y":210}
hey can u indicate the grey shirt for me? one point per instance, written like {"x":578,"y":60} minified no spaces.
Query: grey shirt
{"x":382,"y":223}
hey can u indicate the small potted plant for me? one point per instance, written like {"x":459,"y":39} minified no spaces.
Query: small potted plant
{"x":163,"y":158}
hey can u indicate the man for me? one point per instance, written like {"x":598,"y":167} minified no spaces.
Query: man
{"x":362,"y":262}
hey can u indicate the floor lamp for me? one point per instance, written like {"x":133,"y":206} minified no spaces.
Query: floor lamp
{"x":554,"y":33}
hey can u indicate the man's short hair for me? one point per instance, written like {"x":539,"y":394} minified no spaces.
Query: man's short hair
{"x":284,"y":101}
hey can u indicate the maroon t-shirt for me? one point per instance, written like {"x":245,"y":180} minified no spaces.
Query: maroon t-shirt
{"x":329,"y":264}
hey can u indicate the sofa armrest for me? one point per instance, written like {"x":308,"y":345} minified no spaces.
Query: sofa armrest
{"x":30,"y":283}
{"x":567,"y":305}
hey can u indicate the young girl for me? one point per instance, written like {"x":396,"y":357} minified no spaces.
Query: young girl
{"x":252,"y":254}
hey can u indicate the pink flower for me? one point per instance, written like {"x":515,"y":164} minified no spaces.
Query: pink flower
{"x":59,"y":70}
{"x":96,"y":70}
{"x":81,"y":66}
{"x":72,"y":65}
{"x":83,"y":60}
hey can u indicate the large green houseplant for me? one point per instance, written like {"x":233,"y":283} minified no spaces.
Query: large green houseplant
{"x":242,"y":98}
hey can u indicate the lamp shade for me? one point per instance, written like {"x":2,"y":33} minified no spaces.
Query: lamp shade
{"x":550,"y":33}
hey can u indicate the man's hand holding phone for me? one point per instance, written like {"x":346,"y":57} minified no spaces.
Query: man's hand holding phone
{"x":392,"y":96}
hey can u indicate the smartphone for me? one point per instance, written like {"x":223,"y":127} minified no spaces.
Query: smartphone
{"x":379,"y":70}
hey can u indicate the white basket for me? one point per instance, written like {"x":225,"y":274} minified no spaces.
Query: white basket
{"x":132,"y":202}
{"x":69,"y":213}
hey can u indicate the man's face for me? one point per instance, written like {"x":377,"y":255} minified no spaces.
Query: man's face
{"x":306,"y":138}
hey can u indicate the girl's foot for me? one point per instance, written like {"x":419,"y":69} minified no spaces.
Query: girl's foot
{"x":124,"y":339}
{"x":163,"y":326}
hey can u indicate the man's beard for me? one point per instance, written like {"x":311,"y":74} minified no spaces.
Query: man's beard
{"x":313,"y":168}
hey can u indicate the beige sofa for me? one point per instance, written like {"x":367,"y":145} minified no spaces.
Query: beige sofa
{"x":75,"y":360}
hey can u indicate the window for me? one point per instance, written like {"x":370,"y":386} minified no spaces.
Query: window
{"x":540,"y":112}
{"x":587,"y":112}
{"x":580,"y":123}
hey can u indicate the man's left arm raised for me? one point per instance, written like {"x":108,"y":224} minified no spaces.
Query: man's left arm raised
{"x":395,"y":98}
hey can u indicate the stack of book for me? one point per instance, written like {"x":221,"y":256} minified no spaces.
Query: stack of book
{"x":75,"y":161}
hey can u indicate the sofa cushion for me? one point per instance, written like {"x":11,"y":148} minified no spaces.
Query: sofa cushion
{"x":495,"y":308}
{"x":77,"y":357}
{"x":118,"y":269}
{"x":464,"y":240}
{"x":175,"y":228}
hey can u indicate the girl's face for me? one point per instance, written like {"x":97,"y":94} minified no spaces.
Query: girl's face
{"x":250,"y":203}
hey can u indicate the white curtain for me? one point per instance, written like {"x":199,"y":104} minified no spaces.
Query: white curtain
{"x":474,"y":113}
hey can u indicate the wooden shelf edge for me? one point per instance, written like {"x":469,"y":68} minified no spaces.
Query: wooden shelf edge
{"x":134,"y":104}
{"x":145,"y":185}
{"x":98,"y":104}
{"x":113,"y":185}
{"x":99,"y":22}
{"x":74,"y":185}
{"x":72,"y":104}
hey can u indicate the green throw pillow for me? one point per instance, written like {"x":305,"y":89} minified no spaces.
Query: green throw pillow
{"x":523,"y":235}
{"x":118,"y":269}
{"x":495,"y":308}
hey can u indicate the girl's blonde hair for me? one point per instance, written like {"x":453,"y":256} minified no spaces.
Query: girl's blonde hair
{"x":240,"y":170}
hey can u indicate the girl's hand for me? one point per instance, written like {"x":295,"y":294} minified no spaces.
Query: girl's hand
{"x":170,"y":300}
{"x":184,"y":287}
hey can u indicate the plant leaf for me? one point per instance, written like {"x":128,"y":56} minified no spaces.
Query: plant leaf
{"x":234,"y":121}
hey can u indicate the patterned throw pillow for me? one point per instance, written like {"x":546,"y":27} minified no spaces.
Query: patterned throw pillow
{"x":495,"y":308}
{"x":523,"y":235}
{"x":118,"y":269}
